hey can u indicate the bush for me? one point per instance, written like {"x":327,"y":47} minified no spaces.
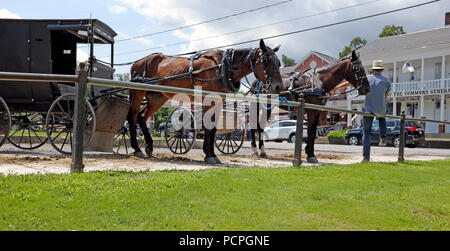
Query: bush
{"x":339,"y":134}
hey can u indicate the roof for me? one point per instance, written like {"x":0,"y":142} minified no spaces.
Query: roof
{"x":78,"y":27}
{"x":423,"y":39}
{"x":286,"y":70}
{"x":329,"y":59}
{"x":324,"y":57}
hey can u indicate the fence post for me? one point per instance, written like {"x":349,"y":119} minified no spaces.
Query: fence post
{"x":79,"y":121}
{"x":299,"y":132}
{"x":401,"y":147}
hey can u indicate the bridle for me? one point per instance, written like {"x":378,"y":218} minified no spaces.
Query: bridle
{"x":269,"y":69}
{"x":358,"y":74}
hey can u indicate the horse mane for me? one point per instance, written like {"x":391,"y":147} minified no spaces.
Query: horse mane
{"x":239,"y":55}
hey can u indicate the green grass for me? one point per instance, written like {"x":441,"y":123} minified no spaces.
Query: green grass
{"x":372,"y":196}
{"x":337,"y":134}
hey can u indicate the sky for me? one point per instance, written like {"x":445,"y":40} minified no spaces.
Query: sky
{"x":131,"y":18}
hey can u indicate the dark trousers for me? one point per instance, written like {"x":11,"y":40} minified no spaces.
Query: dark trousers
{"x":367,"y":135}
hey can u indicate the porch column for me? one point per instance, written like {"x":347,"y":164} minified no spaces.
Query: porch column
{"x":442,"y":107}
{"x":393,"y":89}
{"x":349,"y":107}
{"x":394,"y":80}
{"x":422,"y":73}
{"x":443,"y":72}
{"x":394,"y":106}
{"x":422,"y":106}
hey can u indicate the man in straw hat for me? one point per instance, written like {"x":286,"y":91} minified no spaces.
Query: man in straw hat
{"x":375,"y":104}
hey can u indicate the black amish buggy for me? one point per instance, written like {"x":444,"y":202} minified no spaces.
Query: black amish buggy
{"x":33,"y":113}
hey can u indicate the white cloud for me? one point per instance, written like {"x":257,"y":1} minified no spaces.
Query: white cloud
{"x":168,"y":14}
{"x":143,"y":41}
{"x":4,"y":13}
{"x":117,"y":9}
{"x":82,"y":56}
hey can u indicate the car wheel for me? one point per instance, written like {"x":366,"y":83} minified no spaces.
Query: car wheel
{"x":353,"y":140}
{"x":396,"y":142}
{"x":292,"y":138}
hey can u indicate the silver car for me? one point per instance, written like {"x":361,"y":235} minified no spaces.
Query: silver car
{"x":283,"y":130}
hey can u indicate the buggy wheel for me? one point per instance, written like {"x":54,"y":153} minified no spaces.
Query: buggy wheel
{"x":5,"y":121}
{"x":122,"y":140}
{"x":28,"y":130}
{"x":59,"y":123}
{"x":180,"y":130}
{"x":232,"y":142}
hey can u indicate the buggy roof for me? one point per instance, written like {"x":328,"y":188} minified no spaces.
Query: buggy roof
{"x":78,"y":27}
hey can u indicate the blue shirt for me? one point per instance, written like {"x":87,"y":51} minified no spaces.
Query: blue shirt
{"x":375,"y":99}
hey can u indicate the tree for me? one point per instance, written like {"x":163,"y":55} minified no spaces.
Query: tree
{"x":355,"y":44}
{"x":122,"y":76}
{"x":161,"y":116}
{"x":288,"y":61}
{"x":391,"y":30}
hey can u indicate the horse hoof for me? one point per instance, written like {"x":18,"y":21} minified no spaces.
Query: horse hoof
{"x":264,"y":155}
{"x":149,"y":152}
{"x":255,"y":154}
{"x":210,"y":161}
{"x":312,"y":160}
{"x":139,"y":155}
{"x":217,"y":160}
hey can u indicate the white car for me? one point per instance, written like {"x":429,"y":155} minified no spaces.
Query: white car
{"x":283,"y":130}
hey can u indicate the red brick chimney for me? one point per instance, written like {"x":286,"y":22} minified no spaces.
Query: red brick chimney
{"x":447,"y":18}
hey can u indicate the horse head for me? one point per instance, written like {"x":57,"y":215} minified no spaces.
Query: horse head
{"x":356,"y":74}
{"x":266,"y":67}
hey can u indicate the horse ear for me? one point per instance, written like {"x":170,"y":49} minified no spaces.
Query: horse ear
{"x":354,"y":56}
{"x":262,"y":45}
{"x":276,"y":48}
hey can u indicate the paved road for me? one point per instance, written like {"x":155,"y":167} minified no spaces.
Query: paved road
{"x":271,"y":147}
{"x":328,"y":148}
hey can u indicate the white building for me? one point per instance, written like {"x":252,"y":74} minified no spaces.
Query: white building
{"x":424,"y":93}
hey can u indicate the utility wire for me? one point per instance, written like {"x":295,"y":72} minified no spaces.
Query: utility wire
{"x":204,"y":22}
{"x":249,"y":29}
{"x":305,"y":30}
{"x":314,"y":28}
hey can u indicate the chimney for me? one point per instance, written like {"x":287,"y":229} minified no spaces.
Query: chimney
{"x":447,"y":18}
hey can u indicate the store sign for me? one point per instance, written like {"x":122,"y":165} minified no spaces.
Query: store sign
{"x":421,"y":92}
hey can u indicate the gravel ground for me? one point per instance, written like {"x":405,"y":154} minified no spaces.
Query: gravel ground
{"x":46,"y":160}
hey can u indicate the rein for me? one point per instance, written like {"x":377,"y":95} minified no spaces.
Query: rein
{"x":266,"y":86}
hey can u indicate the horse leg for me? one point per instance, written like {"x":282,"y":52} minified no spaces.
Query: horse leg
{"x":209,"y":158}
{"x":148,"y":138}
{"x":260,"y":133}
{"x":136,"y":98}
{"x":154,"y":101}
{"x":263,"y":153}
{"x":254,"y":149}
{"x":313,"y":119}
{"x":211,"y":145}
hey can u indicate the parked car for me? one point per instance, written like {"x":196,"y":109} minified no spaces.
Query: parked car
{"x":162,"y":128}
{"x":283,"y":130}
{"x":415,"y":134}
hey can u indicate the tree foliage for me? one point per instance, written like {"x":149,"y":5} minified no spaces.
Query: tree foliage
{"x":391,"y":30}
{"x":161,"y":116}
{"x":122,"y":76}
{"x":355,"y":44}
{"x":288,"y":61}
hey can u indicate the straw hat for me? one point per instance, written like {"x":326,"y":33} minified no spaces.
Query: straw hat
{"x":377,"y":65}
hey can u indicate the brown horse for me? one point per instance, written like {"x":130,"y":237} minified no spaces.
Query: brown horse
{"x":316,"y":86}
{"x":216,"y":70}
